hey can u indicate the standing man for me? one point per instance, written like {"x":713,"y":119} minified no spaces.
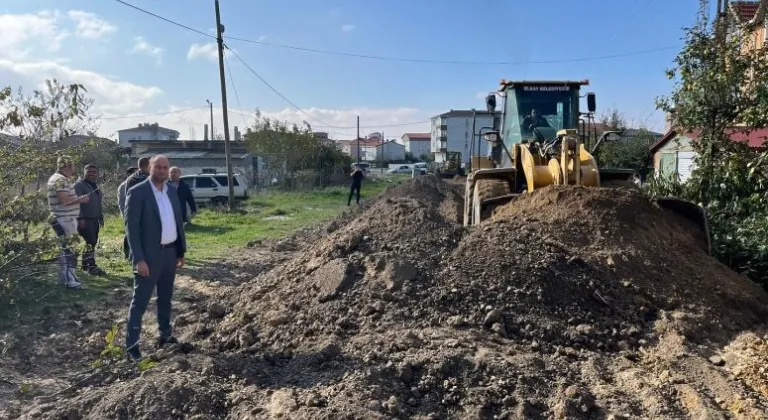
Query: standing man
{"x":155,"y":234}
{"x":91,"y":218}
{"x":64,"y":204}
{"x":357,"y":182}
{"x":185,"y":195}
{"x":139,"y":176}
{"x":121,"y":193}
{"x":122,"y":190}
{"x":133,"y":179}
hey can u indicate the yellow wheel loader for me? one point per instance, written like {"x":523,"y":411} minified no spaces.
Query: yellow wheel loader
{"x":541,"y":139}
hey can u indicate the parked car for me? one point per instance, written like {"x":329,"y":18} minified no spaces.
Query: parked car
{"x":404,"y":169}
{"x":213,"y":188}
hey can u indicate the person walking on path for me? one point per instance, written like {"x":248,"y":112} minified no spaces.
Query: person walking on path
{"x":91,"y":218}
{"x":185,"y":195}
{"x":121,"y":192}
{"x":157,"y":246}
{"x":357,"y":181}
{"x":64,"y":204}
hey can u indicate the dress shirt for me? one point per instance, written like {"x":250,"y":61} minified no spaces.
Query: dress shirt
{"x":167,"y":219}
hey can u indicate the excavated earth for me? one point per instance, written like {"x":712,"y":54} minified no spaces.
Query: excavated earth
{"x":567,"y":303}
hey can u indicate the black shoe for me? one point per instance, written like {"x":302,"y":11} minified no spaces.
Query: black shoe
{"x":96,"y":271}
{"x":162,"y":342}
{"x":134,"y":354}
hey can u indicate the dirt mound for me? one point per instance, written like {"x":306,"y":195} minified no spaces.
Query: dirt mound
{"x":567,"y":303}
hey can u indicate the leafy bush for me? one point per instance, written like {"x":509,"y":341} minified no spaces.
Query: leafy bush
{"x":721,"y":87}
{"x":34,"y":127}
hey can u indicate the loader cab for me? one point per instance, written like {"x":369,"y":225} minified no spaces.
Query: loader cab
{"x":537,"y":110}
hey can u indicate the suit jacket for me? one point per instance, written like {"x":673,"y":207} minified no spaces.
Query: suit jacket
{"x":143,"y":226}
{"x":186,"y":197}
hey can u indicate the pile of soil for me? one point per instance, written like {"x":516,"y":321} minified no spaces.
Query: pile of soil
{"x":567,"y":303}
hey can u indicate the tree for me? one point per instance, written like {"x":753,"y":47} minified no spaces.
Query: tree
{"x":631,"y":151}
{"x":34,"y":126}
{"x":288,"y":149}
{"x":720,"y":88}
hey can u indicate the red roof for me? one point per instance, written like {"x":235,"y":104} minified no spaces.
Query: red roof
{"x":754,"y":138}
{"x":745,"y":10}
{"x":418,"y":136}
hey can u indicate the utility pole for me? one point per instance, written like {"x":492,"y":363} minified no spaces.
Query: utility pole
{"x":210,"y":104}
{"x":358,"y":139}
{"x":220,"y":41}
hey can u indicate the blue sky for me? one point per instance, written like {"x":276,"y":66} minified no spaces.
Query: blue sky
{"x":136,"y":64}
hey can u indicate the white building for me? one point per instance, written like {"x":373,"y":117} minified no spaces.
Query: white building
{"x":452,"y":132}
{"x":390,"y":151}
{"x":146,"y":131}
{"x":367,"y":149}
{"x":417,"y":144}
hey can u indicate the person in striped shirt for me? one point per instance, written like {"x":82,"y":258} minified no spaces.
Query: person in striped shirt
{"x":64,"y":205}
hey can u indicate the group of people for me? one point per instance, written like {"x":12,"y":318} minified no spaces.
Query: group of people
{"x":76,"y":208}
{"x":153,"y":203}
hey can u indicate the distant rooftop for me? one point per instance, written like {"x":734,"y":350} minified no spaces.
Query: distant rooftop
{"x":145,"y":126}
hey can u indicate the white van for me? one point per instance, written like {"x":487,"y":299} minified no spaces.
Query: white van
{"x":214,"y":189}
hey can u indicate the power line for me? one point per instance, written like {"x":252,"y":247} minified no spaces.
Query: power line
{"x":459,"y":62}
{"x":404,"y":59}
{"x":277,"y":92}
{"x":165,"y":19}
{"x":153,"y":115}
{"x":237,"y":97}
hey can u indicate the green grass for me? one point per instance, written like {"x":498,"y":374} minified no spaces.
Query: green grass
{"x":211,"y":235}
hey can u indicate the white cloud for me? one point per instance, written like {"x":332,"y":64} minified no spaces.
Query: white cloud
{"x":203,"y":51}
{"x":23,"y":33}
{"x":348,"y":28}
{"x":142,"y":46}
{"x":112,"y":96}
{"x":208,"y":52}
{"x":90,"y":26}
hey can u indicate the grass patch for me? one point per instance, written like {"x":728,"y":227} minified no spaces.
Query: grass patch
{"x":211,"y":234}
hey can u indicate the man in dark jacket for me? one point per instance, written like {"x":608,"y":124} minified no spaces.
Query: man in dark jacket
{"x":91,"y":218}
{"x":138,"y":176}
{"x":185,"y":195}
{"x":153,"y":222}
{"x":357,"y":182}
{"x":132,"y":180}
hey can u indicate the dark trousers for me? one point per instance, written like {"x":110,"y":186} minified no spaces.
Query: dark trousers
{"x":161,"y":277}
{"x":355,"y":188}
{"x":89,"y":231}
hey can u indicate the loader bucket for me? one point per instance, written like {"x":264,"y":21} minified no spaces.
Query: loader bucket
{"x":692,"y":212}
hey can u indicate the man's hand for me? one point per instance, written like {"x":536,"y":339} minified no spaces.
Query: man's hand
{"x":142,"y":269}
{"x":83,"y":199}
{"x":180,"y":262}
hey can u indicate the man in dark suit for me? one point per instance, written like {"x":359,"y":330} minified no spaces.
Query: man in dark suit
{"x":157,"y":245}
{"x":185,"y":195}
